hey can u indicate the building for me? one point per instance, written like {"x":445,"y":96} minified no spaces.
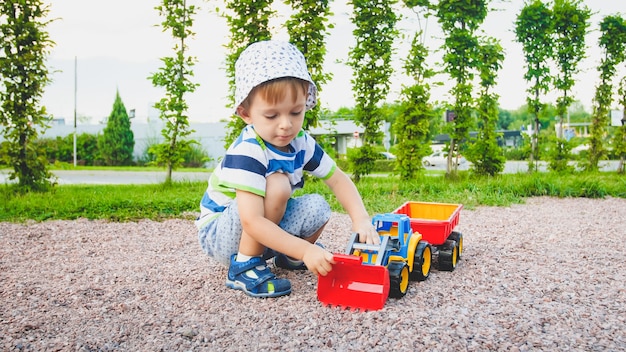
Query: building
{"x":344,"y":134}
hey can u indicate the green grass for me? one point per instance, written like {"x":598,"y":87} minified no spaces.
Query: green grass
{"x":111,"y":202}
{"x":67,"y":166}
{"x":380,"y":194}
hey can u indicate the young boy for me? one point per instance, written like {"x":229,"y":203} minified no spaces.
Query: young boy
{"x":248,"y":214}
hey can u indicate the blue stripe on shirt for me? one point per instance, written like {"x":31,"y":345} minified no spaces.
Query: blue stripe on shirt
{"x":210,"y":204}
{"x":285,"y":166}
{"x":314,"y":163}
{"x":243,"y":162}
{"x":299,"y":185}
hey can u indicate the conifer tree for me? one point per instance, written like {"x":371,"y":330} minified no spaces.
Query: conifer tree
{"x":117,"y":141}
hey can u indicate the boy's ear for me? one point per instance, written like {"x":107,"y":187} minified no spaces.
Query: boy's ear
{"x":243,"y":113}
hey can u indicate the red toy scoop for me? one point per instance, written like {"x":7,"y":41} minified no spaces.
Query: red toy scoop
{"x":352,"y":284}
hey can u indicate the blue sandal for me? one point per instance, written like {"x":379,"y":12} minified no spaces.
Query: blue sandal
{"x":247,"y":277}
{"x":282,"y":261}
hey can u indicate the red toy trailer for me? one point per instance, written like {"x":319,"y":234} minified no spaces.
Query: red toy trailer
{"x":436,"y":222}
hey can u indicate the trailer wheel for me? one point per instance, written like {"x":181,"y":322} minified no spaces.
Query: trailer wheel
{"x":398,"y":279}
{"x":448,"y":255}
{"x":458,"y":237}
{"x":422,"y":261}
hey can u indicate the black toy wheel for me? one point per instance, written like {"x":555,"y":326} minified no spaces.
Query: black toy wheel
{"x":422,"y":261}
{"x":448,"y":256}
{"x":398,"y":279}
{"x":458,"y":237}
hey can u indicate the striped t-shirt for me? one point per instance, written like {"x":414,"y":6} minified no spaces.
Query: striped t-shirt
{"x":248,"y":162}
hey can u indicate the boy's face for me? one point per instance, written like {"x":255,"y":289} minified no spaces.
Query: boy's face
{"x":277,"y":124}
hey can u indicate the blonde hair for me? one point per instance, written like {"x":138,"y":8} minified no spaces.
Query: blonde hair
{"x":275,"y":90}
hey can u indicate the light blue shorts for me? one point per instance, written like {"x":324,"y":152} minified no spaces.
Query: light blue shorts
{"x":304,"y":216}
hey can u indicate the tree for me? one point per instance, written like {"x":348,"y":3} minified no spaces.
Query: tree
{"x":370,"y":60}
{"x":619,"y":141}
{"x":613,"y":43}
{"x":534,"y":30}
{"x":307,"y":31}
{"x":485,"y":154}
{"x":459,"y":20}
{"x":25,"y":47}
{"x":174,"y":76}
{"x":571,"y":21}
{"x":248,"y":23}
{"x":412,"y":126}
{"x":117,"y":141}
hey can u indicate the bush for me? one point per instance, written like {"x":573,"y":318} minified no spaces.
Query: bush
{"x":343,"y":164}
{"x":516,"y":153}
{"x":196,"y":156}
{"x":61,"y":149}
{"x":4,"y":154}
{"x":384,"y":165}
{"x":147,"y":157}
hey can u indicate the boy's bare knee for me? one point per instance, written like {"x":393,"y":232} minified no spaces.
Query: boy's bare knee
{"x":277,"y":193}
{"x":278,"y":188}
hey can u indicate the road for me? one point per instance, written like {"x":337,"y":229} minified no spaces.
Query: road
{"x":513,"y":167}
{"x":68,"y":177}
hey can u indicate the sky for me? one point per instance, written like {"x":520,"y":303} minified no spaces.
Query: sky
{"x":106,"y":46}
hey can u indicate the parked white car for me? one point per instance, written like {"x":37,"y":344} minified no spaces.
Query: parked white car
{"x":440,"y":158}
{"x":387,"y":155}
{"x":578,"y":149}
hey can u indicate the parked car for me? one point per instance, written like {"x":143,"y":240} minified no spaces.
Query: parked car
{"x":387,"y":155}
{"x":579,"y":149}
{"x":440,"y":158}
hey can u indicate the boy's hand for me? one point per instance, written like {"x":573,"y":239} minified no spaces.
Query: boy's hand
{"x":367,"y":232}
{"x":318,"y":260}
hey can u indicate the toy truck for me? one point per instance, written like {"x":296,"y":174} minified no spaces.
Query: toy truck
{"x":365,"y":275}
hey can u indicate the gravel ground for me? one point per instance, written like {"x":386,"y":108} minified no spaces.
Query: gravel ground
{"x":546,"y":275}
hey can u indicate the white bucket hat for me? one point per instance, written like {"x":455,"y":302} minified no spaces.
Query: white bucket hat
{"x":267,"y":60}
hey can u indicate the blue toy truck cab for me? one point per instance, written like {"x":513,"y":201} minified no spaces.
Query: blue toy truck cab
{"x":401,"y":251}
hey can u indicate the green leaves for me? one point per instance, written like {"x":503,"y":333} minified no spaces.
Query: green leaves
{"x":459,"y":20}
{"x":571,"y":20}
{"x":412,"y":126}
{"x":307,"y":29}
{"x":613,"y":42}
{"x":485,"y":153}
{"x":248,"y":21}
{"x":24,"y":46}
{"x":370,"y":60}
{"x":174,"y":76}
